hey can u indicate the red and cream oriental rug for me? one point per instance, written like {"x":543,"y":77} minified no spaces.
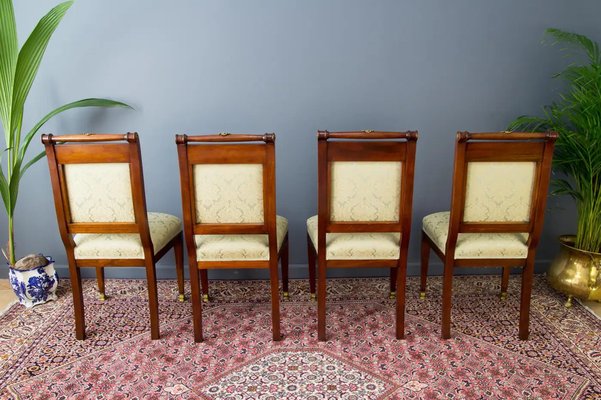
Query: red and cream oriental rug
{"x":41,"y":359}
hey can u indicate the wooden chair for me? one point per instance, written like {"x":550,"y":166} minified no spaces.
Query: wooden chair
{"x":98,"y":189}
{"x":364,"y":210}
{"x":500,"y":183}
{"x":229,"y":207}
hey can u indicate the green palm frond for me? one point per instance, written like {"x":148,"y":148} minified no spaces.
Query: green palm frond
{"x":577,"y":118}
{"x":18,"y":69}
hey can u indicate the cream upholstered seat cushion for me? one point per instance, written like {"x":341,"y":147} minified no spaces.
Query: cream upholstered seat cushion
{"x":163,"y":228}
{"x":357,"y":246}
{"x":475,"y":245}
{"x":248,"y":247}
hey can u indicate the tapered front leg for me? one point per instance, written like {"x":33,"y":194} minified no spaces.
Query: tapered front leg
{"x":153,"y":298}
{"x":425,"y":258}
{"x":321,"y":298}
{"x":275,"y":299}
{"x":100,"y":281}
{"x":78,"y":307}
{"x":178,"y":249}
{"x":400,"y":298}
{"x":204,"y":278}
{"x":196,"y":298}
{"x":447,"y":290}
{"x":285,"y":252}
{"x":527,"y":275}
{"x":505,"y":282}
{"x":311,"y":256}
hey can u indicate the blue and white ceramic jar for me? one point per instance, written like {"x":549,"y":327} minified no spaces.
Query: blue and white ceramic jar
{"x":35,"y":286}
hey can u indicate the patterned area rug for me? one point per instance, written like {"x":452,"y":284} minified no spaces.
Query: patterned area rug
{"x":361,"y":359}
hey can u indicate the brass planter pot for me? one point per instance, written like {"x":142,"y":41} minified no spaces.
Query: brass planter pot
{"x":576,"y":273}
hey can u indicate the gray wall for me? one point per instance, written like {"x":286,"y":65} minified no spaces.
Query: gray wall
{"x":293,"y":67}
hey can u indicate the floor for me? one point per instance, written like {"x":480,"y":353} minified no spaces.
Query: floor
{"x":7,"y":296}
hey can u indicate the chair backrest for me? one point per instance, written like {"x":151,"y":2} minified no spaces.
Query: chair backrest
{"x":365,"y":182}
{"x":228,"y":184}
{"x":98,"y":185}
{"x":500,"y":183}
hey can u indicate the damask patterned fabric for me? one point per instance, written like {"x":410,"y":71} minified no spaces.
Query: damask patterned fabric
{"x":365,"y":191}
{"x":357,"y":246}
{"x":99,"y":192}
{"x":163,"y":228}
{"x":238,"y":247}
{"x":499,"y":191}
{"x":475,"y":245}
{"x":228,"y":193}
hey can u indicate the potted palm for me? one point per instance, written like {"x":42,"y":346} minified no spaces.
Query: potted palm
{"x":577,"y":162}
{"x":33,"y":278}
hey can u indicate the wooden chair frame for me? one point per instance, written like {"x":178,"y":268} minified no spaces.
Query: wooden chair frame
{"x":226,"y":148}
{"x":493,"y":146}
{"x":95,"y":148}
{"x":362,"y":146}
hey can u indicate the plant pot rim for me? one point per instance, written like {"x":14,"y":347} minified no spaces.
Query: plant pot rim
{"x":50,"y":262}
{"x":568,"y":241}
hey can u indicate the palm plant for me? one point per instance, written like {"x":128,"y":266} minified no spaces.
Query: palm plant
{"x":577,"y":118}
{"x":18,"y":69}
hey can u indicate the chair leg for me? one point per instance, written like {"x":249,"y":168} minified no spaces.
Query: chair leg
{"x":75,"y":275}
{"x":321,"y":297}
{"x":178,"y":249}
{"x":527,"y":274}
{"x":153,"y":297}
{"x":284,"y":255}
{"x":204,"y":278}
{"x":275,"y":299}
{"x":100,"y":281}
{"x":425,"y":258}
{"x":393,"y":282}
{"x":312,"y":256}
{"x":196,"y":299}
{"x":447,"y":291}
{"x":400,"y":299}
{"x":505,"y":282}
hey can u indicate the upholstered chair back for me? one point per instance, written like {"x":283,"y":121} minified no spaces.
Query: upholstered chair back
{"x":365,"y":190}
{"x":497,"y":185}
{"x":365,"y":181}
{"x":98,"y":185}
{"x":499,"y":191}
{"x":228,"y":193}
{"x":99,"y":192}
{"x":228,"y":185}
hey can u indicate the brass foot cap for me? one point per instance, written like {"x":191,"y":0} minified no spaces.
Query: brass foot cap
{"x":286,"y":295}
{"x":205,"y":298}
{"x":101,"y":297}
{"x":503,"y":296}
{"x":313,"y":297}
{"x":568,"y":302}
{"x":422,"y":295}
{"x":392,"y":295}
{"x":181,"y":298}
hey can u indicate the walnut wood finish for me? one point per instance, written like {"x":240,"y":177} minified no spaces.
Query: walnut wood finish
{"x":226,"y":149}
{"x":497,"y":147}
{"x":92,"y":148}
{"x":225,"y":137}
{"x":362,"y":146}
